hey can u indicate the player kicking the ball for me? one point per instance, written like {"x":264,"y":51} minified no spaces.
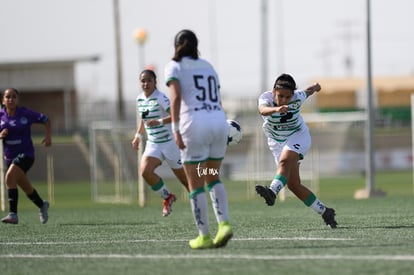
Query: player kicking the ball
{"x":289,"y":139}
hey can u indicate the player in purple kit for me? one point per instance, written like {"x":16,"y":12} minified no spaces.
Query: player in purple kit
{"x":15,"y":131}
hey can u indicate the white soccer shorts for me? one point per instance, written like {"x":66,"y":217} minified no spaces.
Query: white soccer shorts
{"x":167,"y":151}
{"x":204,"y":140}
{"x":299,"y":142}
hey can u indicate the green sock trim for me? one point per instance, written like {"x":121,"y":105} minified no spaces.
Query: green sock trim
{"x":281,"y":178}
{"x":195,"y":162}
{"x":310,"y":199}
{"x":211,"y":184}
{"x":196,"y":192}
{"x":158,"y":185}
{"x":215,"y":158}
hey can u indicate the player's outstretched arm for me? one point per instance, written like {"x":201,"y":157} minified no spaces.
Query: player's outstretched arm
{"x":268,"y":110}
{"x":316,"y":87}
{"x":47,"y":141}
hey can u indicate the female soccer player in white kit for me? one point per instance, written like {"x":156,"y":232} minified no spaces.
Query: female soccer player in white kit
{"x":153,"y":107}
{"x":200,"y":130}
{"x":289,"y":140}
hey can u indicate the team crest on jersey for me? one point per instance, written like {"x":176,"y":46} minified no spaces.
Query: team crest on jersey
{"x":23,"y":120}
{"x":294,"y":105}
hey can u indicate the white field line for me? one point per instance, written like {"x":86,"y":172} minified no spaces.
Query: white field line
{"x":214,"y":256}
{"x":178,"y":240}
{"x":201,"y":256}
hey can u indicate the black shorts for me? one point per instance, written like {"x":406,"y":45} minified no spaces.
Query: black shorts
{"x":24,"y":162}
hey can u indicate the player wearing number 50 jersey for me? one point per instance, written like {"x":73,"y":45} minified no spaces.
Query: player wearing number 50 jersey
{"x":200,"y":130}
{"x":289,"y":139}
{"x":200,"y":81}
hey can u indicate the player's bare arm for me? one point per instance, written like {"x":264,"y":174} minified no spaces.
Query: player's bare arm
{"x":175,"y":99}
{"x":161,"y":121}
{"x":47,"y":141}
{"x":3,"y":133}
{"x":316,"y":87}
{"x":138,"y":135}
{"x":265,"y":110}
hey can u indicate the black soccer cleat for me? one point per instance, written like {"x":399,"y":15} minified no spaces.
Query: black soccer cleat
{"x":267,"y":194}
{"x":329,"y":217}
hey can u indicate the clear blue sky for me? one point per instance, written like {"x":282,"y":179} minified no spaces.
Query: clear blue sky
{"x":306,"y":38}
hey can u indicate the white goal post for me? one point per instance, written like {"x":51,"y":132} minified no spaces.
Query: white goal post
{"x":331,"y":134}
{"x":112,"y":162}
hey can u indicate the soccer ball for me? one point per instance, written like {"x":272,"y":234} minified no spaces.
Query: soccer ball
{"x":235,"y":132}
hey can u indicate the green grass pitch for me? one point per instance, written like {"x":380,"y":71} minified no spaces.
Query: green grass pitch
{"x":374,"y":236}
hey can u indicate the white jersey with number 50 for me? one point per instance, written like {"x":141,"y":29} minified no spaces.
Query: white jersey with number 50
{"x":200,"y":88}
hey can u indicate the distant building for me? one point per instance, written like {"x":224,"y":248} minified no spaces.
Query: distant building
{"x":47,"y":86}
{"x":392,"y":95}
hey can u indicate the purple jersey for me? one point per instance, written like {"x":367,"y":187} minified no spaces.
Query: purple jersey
{"x":19,"y":139}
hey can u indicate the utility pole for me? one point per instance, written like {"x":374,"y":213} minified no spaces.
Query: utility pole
{"x":118,"y":57}
{"x":369,"y":190}
{"x":348,"y":36}
{"x":264,"y":46}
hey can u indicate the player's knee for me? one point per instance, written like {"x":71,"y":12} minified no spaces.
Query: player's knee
{"x":293,"y":185}
{"x":146,"y":171}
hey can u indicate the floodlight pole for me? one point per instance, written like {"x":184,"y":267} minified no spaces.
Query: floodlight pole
{"x":369,"y":190}
{"x":140,"y":36}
